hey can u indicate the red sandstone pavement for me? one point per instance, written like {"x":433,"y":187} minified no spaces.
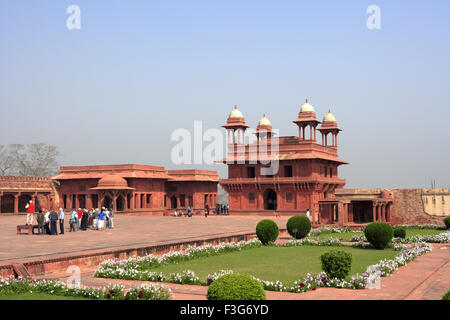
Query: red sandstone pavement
{"x":128,"y":231}
{"x":426,"y":278}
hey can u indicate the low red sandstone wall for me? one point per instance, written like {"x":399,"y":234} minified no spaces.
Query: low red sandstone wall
{"x":94,"y":258}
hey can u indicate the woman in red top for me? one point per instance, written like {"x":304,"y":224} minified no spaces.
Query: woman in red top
{"x":79,"y":214}
{"x":30,"y":211}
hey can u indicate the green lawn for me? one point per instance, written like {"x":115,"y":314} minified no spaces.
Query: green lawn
{"x":37,"y":296}
{"x":275,"y":263}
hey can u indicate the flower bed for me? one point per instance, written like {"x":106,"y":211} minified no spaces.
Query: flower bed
{"x":443,"y":237}
{"x":130,"y":269}
{"x":114,"y":292}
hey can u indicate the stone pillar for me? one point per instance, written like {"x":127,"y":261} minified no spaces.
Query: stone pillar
{"x":125,"y":202}
{"x":383,"y":212}
{"x":33,"y":198}
{"x":138,"y":201}
{"x":16,"y":203}
{"x":114,"y":204}
{"x":89,"y":201}
{"x":374,"y":213}
{"x":47,"y":198}
{"x":132,"y":201}
{"x":1,"y":195}
{"x":259,"y":201}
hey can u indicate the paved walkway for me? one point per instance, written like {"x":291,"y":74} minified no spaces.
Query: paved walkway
{"x":128,"y":231}
{"x":426,"y":278}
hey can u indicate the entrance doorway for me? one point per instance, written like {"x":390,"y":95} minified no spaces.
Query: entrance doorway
{"x":173,"y":202}
{"x":270,"y":200}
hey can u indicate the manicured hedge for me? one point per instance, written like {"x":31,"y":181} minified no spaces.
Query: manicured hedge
{"x":267,"y":231}
{"x":447,"y":222}
{"x":379,"y":234}
{"x":399,"y":232}
{"x":298,"y":226}
{"x":446,"y":296}
{"x":336,"y":263}
{"x":235,"y":286}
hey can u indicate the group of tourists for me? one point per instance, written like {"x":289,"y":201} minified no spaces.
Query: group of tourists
{"x":81,"y":219}
{"x":220,"y":209}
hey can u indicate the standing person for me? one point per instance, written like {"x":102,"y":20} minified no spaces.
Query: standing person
{"x":73,"y":221}
{"x":111,"y":218}
{"x":53,"y":220}
{"x":85,"y":220}
{"x":189,"y":211}
{"x":101,"y":219}
{"x":47,"y":221}
{"x":95,"y":222}
{"x":61,"y":220}
{"x":79,"y":215}
{"x":40,"y":220}
{"x":30,"y":212}
{"x":107,"y":217}
{"x":206,"y":211}
{"x":308,"y":214}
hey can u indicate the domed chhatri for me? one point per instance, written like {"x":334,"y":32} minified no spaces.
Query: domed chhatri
{"x":112,"y":182}
{"x":236,"y":113}
{"x":329,"y":117}
{"x":307,"y":107}
{"x":264,"y":121}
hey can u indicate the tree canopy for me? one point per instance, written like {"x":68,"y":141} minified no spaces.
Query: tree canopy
{"x":37,"y":159}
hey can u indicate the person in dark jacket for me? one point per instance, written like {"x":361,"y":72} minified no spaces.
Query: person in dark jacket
{"x":53,"y":220}
{"x":84,"y":220}
{"x":40,"y":221}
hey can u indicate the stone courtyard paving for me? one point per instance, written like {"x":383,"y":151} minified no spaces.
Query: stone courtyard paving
{"x":426,"y":278}
{"x":128,"y":231}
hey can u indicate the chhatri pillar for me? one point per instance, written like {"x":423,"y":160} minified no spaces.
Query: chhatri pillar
{"x":16,"y":203}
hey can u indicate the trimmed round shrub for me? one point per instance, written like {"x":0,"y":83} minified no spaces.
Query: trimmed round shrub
{"x":298,"y":226}
{"x":446,"y":296}
{"x":447,"y":222}
{"x":267,"y":231}
{"x":336,"y":263}
{"x":235,"y":286}
{"x":379,"y":234}
{"x":399,"y":232}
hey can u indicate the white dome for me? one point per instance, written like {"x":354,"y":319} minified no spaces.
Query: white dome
{"x":264,"y":121}
{"x":329,"y":117}
{"x":307,"y":107}
{"x":236,"y":113}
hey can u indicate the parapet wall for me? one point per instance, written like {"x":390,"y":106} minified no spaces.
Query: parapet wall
{"x":410,"y":206}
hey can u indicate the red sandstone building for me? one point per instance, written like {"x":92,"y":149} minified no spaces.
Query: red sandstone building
{"x":136,"y":188}
{"x":130,"y":188}
{"x":307,"y":174}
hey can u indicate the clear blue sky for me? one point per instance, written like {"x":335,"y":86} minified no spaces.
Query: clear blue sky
{"x":114,"y":91}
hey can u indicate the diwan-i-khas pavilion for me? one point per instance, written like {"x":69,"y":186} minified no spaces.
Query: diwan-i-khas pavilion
{"x":136,"y":188}
{"x":307,"y":174}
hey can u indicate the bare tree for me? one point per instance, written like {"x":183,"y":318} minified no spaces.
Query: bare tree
{"x":42,"y":159}
{"x":38,"y":159}
{"x":6,"y":163}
